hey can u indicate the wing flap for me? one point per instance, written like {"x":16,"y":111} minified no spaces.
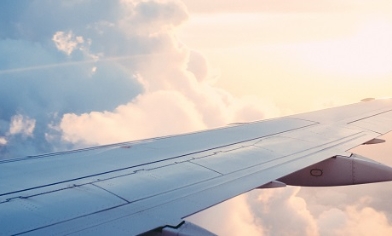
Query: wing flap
{"x":152,"y":182}
{"x":25,"y":214}
{"x":380,"y":123}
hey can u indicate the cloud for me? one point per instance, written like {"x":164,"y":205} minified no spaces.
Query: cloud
{"x":366,"y":53}
{"x":271,"y":206}
{"x":356,"y":219}
{"x":233,"y":217}
{"x":366,"y":221}
{"x":78,"y":64}
{"x":116,"y":65}
{"x":197,"y":65}
{"x":332,"y":221}
{"x":66,"y":42}
{"x":267,"y":6}
{"x":116,"y":71}
{"x":153,"y":114}
{"x":3,"y":141}
{"x":22,"y":125}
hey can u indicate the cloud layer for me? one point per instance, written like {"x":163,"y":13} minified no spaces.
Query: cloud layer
{"x":95,"y":72}
{"x":114,"y":71}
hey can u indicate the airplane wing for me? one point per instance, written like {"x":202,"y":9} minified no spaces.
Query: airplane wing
{"x":150,"y":186}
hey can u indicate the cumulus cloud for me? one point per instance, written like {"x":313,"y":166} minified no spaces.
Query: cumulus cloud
{"x":115,"y":71}
{"x":3,"y":141}
{"x":233,"y":217}
{"x":277,"y":6}
{"x":365,"y":221}
{"x":115,"y":65}
{"x":142,"y":118}
{"x":66,"y":42}
{"x":282,"y":205}
{"x":22,"y":125}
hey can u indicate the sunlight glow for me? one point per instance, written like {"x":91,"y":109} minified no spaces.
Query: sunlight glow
{"x":367,"y":53}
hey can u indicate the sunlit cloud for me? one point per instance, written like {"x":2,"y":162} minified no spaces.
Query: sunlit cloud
{"x":112,"y":70}
{"x":288,"y":51}
{"x":367,"y":53}
{"x":22,"y":125}
{"x":3,"y":141}
{"x":124,"y":70}
{"x":67,"y":42}
{"x":141,"y":118}
{"x":233,"y":217}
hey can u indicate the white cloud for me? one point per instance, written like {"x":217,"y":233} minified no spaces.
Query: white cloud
{"x":271,"y":207}
{"x":67,"y":42}
{"x":153,"y":17}
{"x":283,"y":6}
{"x":331,"y":221}
{"x":22,"y":125}
{"x":3,"y":141}
{"x":177,"y":97}
{"x":366,"y":221}
{"x":366,"y":53}
{"x":233,"y":217}
{"x":152,"y":114}
{"x":354,"y":220}
{"x":101,"y":101}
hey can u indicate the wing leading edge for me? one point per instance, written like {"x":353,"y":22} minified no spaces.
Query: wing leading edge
{"x":135,"y":187}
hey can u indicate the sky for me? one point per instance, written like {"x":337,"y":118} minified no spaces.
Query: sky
{"x":81,"y":73}
{"x":276,"y":48}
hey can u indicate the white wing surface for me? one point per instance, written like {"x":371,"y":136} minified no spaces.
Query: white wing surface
{"x":135,"y":187}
